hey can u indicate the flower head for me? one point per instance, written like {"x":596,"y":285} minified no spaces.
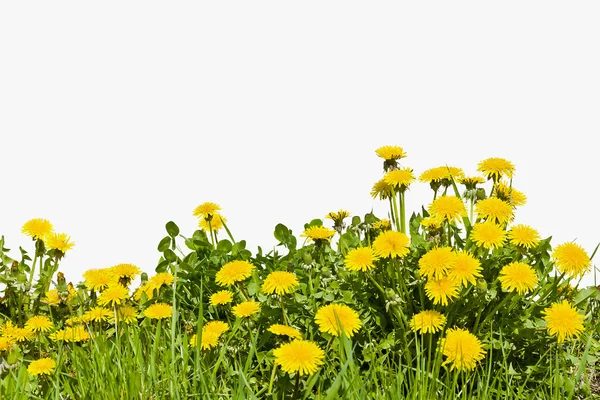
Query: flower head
{"x":301,"y":356}
{"x":383,"y":224}
{"x":58,"y":241}
{"x":391,"y":244}
{"x":471,"y":181}
{"x":218,"y":327}
{"x":436,"y":262}
{"x":39,"y":323}
{"x":127,"y":314}
{"x":214,"y":224}
{"x":523,"y":236}
{"x":360,"y":259}
{"x":43,"y":366}
{"x":495,"y":210}
{"x":441,"y":290}
{"x":206,"y":210}
{"x":6,"y":343}
{"x":98,"y":314}
{"x":571,"y":259}
{"x":280,"y":282}
{"x":234,"y":271}
{"x":318,"y":233}
{"x":382,"y":190}
{"x":338,"y":217}
{"x":465,"y":269}
{"x":128,"y":271}
{"x":220,"y":298}
{"x":488,"y":234}
{"x":449,"y":208}
{"x":285,"y":330}
{"x":563,"y":321}
{"x":327,"y":318}
{"x":518,"y":276}
{"x":510,"y":194}
{"x":99,"y":279}
{"x":462,"y":349}
{"x":113,"y":295}
{"x":159,"y":311}
{"x":427,"y":322}
{"x":37,"y":228}
{"x":399,"y":179}
{"x":209,"y":340}
{"x":246,"y":309}
{"x":495,"y":168}
{"x":160,"y":279}
{"x":391,"y":153}
{"x":432,"y":222}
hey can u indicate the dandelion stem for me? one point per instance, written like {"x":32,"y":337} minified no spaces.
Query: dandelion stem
{"x":296,"y":386}
{"x":402,"y":213}
{"x":283,"y":310}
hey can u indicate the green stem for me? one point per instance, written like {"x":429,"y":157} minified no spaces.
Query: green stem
{"x":283,"y":311}
{"x":33,"y":269}
{"x":243,"y":291}
{"x":402,"y":213}
{"x":296,"y":386}
{"x":395,"y":205}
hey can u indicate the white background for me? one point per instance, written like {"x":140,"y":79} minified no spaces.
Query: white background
{"x":118,"y":116}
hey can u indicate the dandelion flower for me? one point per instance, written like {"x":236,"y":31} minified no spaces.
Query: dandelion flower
{"x":441,"y":290}
{"x":510,"y":194}
{"x":436,"y":262}
{"x":301,"y":356}
{"x":391,"y":244}
{"x":71,"y":334}
{"x":220,"y":298}
{"x":439,"y":174}
{"x":215,"y":224}
{"x":6,"y":343}
{"x":246,"y":309}
{"x":59,"y":241}
{"x":432,"y":222}
{"x":43,"y":366}
{"x":383,"y":224}
{"x":285,"y":330}
{"x":128,"y":271}
{"x":99,"y":279}
{"x":465,"y":269}
{"x":39,"y":323}
{"x":218,"y":327}
{"x":209,"y":340}
{"x":37,"y":228}
{"x":382,"y":190}
{"x":488,"y":234}
{"x":518,"y":276}
{"x":22,"y":334}
{"x":563,"y":321}
{"x":8,"y":329}
{"x":571,"y":259}
{"x":495,"y":210}
{"x":427,"y":322}
{"x":234,"y":271}
{"x":159,"y":311}
{"x":471,"y":181}
{"x":327,"y":319}
{"x":523,"y":236}
{"x":390,"y":153}
{"x":449,"y":208}
{"x":338,"y":217}
{"x":113,"y":295}
{"x":280,"y":282}
{"x":146,"y":289}
{"x":495,"y":168}
{"x":399,"y":178}
{"x":98,"y":314}
{"x":160,"y":279}
{"x":360,"y":259}
{"x":318,"y":233}
{"x":127,"y":314}
{"x":207,"y":209}
{"x":462,"y":349}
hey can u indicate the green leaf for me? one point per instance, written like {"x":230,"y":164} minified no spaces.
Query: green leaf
{"x":281,"y":233}
{"x":224,"y":246}
{"x":170,"y":255}
{"x":164,"y":244}
{"x":172,"y":229}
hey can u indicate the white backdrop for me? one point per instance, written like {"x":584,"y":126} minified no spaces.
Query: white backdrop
{"x":116,"y":117}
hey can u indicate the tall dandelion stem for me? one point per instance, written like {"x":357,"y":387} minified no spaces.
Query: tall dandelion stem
{"x":273,"y":372}
{"x":243,"y":290}
{"x":33,"y":269}
{"x":395,"y":206}
{"x":296,"y":386}
{"x":402,"y":213}
{"x":285,"y":321}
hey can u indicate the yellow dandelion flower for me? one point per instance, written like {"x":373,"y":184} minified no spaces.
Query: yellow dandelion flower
{"x":162,"y":278}
{"x":22,"y":334}
{"x":216,"y":223}
{"x":524,"y":236}
{"x":58,"y":241}
{"x":390,"y":153}
{"x":8,"y":329}
{"x":465,"y":269}
{"x":436,"y":262}
{"x":488,"y":234}
{"x":6,"y":343}
{"x":52,"y":298}
{"x":383,"y":224}
{"x":220,"y":298}
{"x":449,"y":208}
{"x":382,"y":190}
{"x":128,"y":271}
{"x":98,"y":314}
{"x":246,"y":309}
{"x":280,"y":282}
{"x":440,"y":174}
{"x":159,"y":311}
{"x":39,"y":323}
{"x":391,"y":244}
{"x":99,"y":279}
{"x":71,"y":334}
{"x":399,"y":178}
{"x":495,"y":168}
{"x":427,"y":322}
{"x":510,"y":194}
{"x":338,"y":217}
{"x":127,"y":314}
{"x":209,"y":340}
{"x":284,"y":330}
{"x":563,"y":321}
{"x":518,"y":276}
{"x":471,"y":181}
{"x":146,"y":289}
{"x":299,"y":356}
{"x":432,"y":222}
{"x":318,"y":233}
{"x":360,"y":259}
{"x":218,"y":327}
{"x":462,"y":349}
{"x":441,"y":290}
{"x":43,"y":366}
{"x":495,"y":210}
{"x":571,"y":259}
{"x":37,"y":228}
{"x":113,"y":295}
{"x":234,"y":271}
{"x":327,"y":318}
{"x":207,"y":209}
